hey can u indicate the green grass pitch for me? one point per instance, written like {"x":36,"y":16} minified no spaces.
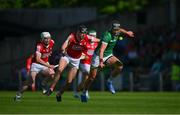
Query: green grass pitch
{"x":99,"y":103}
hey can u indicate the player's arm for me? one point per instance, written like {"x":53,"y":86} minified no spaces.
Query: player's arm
{"x":83,"y":56}
{"x":129,"y":33}
{"x":65,"y":44}
{"x":101,"y":53}
{"x":102,"y":49}
{"x":39,"y":60}
{"x":93,"y":39}
{"x":105,"y":41}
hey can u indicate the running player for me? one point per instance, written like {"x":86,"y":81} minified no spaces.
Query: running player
{"x":103,"y":56}
{"x":73,"y":49}
{"x":85,"y":65}
{"x":40,"y":62}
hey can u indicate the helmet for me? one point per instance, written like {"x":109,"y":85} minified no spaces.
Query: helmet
{"x":82,"y":29}
{"x":115,"y":25}
{"x":45,"y":35}
{"x":92,"y":33}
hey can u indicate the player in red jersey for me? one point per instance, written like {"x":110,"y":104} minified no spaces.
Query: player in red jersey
{"x":40,"y":62}
{"x":72,"y":48}
{"x":28,"y":67}
{"x":85,"y":64}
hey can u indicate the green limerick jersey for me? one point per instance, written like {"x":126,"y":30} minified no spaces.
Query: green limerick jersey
{"x":108,"y":39}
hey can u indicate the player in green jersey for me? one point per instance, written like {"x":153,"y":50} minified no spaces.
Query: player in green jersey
{"x":103,"y":56}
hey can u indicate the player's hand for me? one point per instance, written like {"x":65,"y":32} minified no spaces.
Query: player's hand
{"x":130,"y":33}
{"x":101,"y":65}
{"x":63,"y":52}
{"x":51,"y":66}
{"x":86,"y":57}
{"x":51,"y":72}
{"x":83,"y":56}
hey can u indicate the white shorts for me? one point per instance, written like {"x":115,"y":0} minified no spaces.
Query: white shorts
{"x":74,"y":62}
{"x":35,"y":67}
{"x":95,"y":60}
{"x":85,"y":68}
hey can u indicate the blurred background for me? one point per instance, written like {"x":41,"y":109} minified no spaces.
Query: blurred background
{"x":151,"y":59}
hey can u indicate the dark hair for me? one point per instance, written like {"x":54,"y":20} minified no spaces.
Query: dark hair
{"x":82,"y":29}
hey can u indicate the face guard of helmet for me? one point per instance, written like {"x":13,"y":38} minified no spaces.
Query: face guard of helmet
{"x":92,"y":33}
{"x":82,"y":30}
{"x":115,"y":28}
{"x":45,"y":37}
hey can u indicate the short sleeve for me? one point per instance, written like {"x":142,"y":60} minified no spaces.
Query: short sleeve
{"x":106,"y":37}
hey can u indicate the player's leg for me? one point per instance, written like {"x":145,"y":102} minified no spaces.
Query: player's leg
{"x":36,"y":69}
{"x":86,"y":75}
{"x":79,"y":78}
{"x":76,"y":82}
{"x":93,"y":72}
{"x":91,"y":77}
{"x":25,"y":86}
{"x":63,"y":62}
{"x":85,"y":68}
{"x":88,"y":82}
{"x":33,"y":85}
{"x":117,"y":68}
{"x":48,"y":72}
{"x":71,"y":75}
{"x":48,"y":75}
{"x":81,"y":84}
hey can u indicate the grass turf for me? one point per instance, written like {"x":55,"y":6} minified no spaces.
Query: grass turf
{"x":99,"y":103}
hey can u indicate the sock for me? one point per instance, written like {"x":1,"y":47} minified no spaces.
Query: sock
{"x":18,"y":95}
{"x":87,"y":93}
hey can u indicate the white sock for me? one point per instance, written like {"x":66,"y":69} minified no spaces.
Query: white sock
{"x":18,"y":95}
